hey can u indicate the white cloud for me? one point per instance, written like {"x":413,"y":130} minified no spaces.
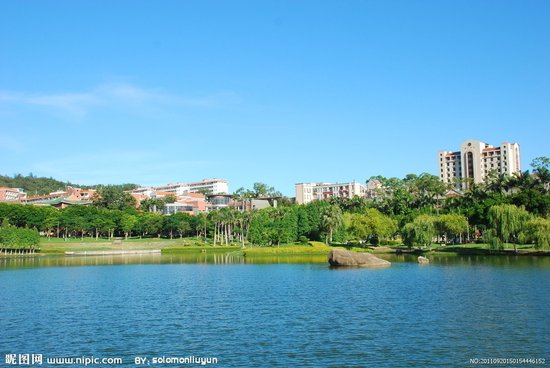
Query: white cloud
{"x":114,"y":95}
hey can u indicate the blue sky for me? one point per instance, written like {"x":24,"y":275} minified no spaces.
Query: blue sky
{"x":280,"y":92}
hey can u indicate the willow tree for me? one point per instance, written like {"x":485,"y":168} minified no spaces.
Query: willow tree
{"x":539,"y":232}
{"x":451,"y":225}
{"x":421,"y":231}
{"x":508,"y":221}
{"x":370,"y":225}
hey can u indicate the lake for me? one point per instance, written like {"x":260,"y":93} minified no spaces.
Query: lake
{"x":276,"y":311}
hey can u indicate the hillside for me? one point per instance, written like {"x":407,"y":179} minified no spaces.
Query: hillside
{"x":33,"y":185}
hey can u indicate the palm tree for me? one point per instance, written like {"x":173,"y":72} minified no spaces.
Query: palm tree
{"x":331,"y":219}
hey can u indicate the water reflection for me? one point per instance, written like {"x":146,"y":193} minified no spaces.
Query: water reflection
{"x":232,"y":258}
{"x":465,"y":260}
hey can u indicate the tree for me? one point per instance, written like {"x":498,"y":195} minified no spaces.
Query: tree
{"x":127,"y":224}
{"x":113,"y":198}
{"x":507,"y":222}
{"x":427,"y":189}
{"x":183,"y":227}
{"x":260,"y":231}
{"x":282,"y":225}
{"x":451,"y":226}
{"x":178,"y":222}
{"x":12,"y":237}
{"x":420,"y":232}
{"x":538,"y":230}
{"x":153,"y":205}
{"x":331,"y":220}
{"x":150,"y":224}
{"x":370,"y":225}
{"x":260,"y":190}
{"x":541,"y":167}
{"x":75,"y":219}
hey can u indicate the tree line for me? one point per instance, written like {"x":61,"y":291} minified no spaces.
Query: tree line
{"x":413,"y":211}
{"x":34,"y":185}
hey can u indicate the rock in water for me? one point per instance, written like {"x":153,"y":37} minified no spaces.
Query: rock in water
{"x":342,"y":257}
{"x":423,"y":260}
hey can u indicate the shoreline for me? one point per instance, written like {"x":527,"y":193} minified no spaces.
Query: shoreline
{"x":183,"y":246}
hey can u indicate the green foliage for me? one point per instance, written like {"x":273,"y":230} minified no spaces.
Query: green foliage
{"x":490,"y":237}
{"x":370,"y":225}
{"x":538,"y":232}
{"x":178,"y":223}
{"x":451,"y":225}
{"x":260,"y":190}
{"x":149,"y":224}
{"x":33,"y":185}
{"x":331,"y":220}
{"x":127,"y":223}
{"x":113,"y":197}
{"x":156,"y":205}
{"x":12,"y":237}
{"x":420,"y":232}
{"x":260,"y":231}
{"x":541,"y":167}
{"x":415,"y":205}
{"x":508,"y":221}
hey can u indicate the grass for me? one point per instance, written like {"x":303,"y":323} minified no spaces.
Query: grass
{"x":484,"y":249}
{"x":60,"y":246}
{"x":194,"y":244}
{"x":313,"y":248}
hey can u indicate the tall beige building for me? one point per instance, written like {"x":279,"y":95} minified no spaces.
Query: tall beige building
{"x":308,"y":192}
{"x":476,"y":160}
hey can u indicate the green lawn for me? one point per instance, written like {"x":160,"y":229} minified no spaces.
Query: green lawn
{"x":194,"y":244}
{"x":60,"y":246}
{"x":313,"y":248}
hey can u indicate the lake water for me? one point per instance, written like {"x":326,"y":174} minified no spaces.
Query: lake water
{"x":277,"y":312}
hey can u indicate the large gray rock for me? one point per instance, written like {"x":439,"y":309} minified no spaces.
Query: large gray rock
{"x":342,"y":257}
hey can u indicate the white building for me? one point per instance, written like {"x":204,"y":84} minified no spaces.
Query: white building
{"x":476,"y":160}
{"x":308,"y":192}
{"x":176,"y":189}
{"x":210,"y":186}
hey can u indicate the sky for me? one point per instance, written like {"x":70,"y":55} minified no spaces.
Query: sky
{"x":280,"y":92}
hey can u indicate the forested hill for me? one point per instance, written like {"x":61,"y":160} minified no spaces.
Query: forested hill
{"x":33,"y":185}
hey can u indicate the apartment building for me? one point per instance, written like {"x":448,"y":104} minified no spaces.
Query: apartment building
{"x":210,"y":186}
{"x":477,"y":159}
{"x":308,"y":192}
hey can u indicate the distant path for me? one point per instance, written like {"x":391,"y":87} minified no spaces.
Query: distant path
{"x":112,"y":252}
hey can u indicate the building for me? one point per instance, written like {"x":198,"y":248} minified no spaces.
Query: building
{"x":62,"y":199}
{"x":209,"y":186}
{"x":11,"y":194}
{"x":175,"y":189}
{"x":250,"y":204}
{"x":308,"y":192}
{"x":476,"y":160}
{"x":81,"y":194}
{"x":375,"y":188}
{"x":191,"y":203}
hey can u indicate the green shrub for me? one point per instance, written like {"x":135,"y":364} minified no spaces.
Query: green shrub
{"x":15,"y":238}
